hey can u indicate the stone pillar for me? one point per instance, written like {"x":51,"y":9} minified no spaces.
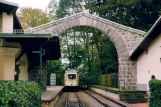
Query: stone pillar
{"x":127,"y":74}
{"x":7,"y":63}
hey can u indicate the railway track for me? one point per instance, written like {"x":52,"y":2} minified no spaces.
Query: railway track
{"x":72,"y":100}
{"x":104,"y":103}
{"x":76,"y":103}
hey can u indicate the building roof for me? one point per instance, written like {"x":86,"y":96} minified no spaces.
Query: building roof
{"x":149,"y":37}
{"x":32,"y":42}
{"x":9,"y":35}
{"x":10,"y":8}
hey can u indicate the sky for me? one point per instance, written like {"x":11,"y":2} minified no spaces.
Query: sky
{"x":32,"y":3}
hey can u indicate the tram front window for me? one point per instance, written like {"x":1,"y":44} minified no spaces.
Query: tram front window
{"x":72,"y":76}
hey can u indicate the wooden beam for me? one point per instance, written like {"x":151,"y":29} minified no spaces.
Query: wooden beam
{"x":12,"y":11}
{"x":21,"y":54}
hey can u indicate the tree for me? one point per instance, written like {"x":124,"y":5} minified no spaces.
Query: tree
{"x":52,"y":6}
{"x":140,"y":14}
{"x":109,"y":56}
{"x":55,"y":67}
{"x":83,"y":48}
{"x":30,"y":17}
{"x":91,"y":38}
{"x":68,"y":7}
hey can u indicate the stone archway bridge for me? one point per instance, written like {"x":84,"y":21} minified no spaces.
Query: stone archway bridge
{"x":124,"y":38}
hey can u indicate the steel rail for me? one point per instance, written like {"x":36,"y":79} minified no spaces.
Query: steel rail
{"x":79,"y":101}
{"x":120,"y":104}
{"x":66,"y":101}
{"x":104,"y":104}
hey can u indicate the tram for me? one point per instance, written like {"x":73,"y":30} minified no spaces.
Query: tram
{"x":71,"y":78}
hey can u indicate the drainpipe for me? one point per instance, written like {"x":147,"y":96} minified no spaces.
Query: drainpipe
{"x":41,"y":64}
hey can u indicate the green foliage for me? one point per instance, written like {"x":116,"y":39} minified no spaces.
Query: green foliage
{"x":52,"y":6}
{"x":62,"y":10}
{"x":115,"y":80}
{"x":30,"y":17}
{"x":20,"y":94}
{"x":94,"y":80}
{"x":85,"y":49}
{"x":140,"y":14}
{"x":155,"y":93}
{"x":67,"y":7}
{"x":109,"y":80}
{"x":102,"y":80}
{"x":55,"y":67}
{"x":108,"y":56}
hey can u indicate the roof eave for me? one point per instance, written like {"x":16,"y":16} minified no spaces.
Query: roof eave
{"x":144,"y":39}
{"x":8,"y":35}
{"x":9,"y":3}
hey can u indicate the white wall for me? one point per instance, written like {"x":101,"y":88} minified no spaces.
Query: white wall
{"x":8,"y":55}
{"x":1,"y":22}
{"x":149,"y":63}
{"x":7,"y":62}
{"x":6,"y":23}
{"x":23,"y":61}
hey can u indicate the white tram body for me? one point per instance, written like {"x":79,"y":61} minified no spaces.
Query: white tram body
{"x":71,"y":78}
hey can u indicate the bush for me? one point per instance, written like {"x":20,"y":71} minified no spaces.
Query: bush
{"x":115,"y":80}
{"x":94,"y":80}
{"x":102,"y":80}
{"x":20,"y":94}
{"x":155,"y":93}
{"x":109,"y":80}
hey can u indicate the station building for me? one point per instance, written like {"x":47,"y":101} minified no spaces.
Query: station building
{"x":148,"y":57}
{"x":19,"y":52}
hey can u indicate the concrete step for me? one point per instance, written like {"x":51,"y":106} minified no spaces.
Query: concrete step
{"x":133,"y":97}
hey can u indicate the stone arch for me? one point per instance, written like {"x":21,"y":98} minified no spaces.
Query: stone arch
{"x":125,"y":39}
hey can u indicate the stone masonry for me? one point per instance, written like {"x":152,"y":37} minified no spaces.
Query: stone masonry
{"x":124,"y":38}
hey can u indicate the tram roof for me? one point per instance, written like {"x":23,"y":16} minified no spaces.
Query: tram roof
{"x":71,"y":71}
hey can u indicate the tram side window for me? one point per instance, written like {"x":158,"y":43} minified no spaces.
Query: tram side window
{"x":72,"y":76}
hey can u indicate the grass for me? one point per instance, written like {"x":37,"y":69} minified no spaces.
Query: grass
{"x":115,"y":90}
{"x":111,"y":89}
